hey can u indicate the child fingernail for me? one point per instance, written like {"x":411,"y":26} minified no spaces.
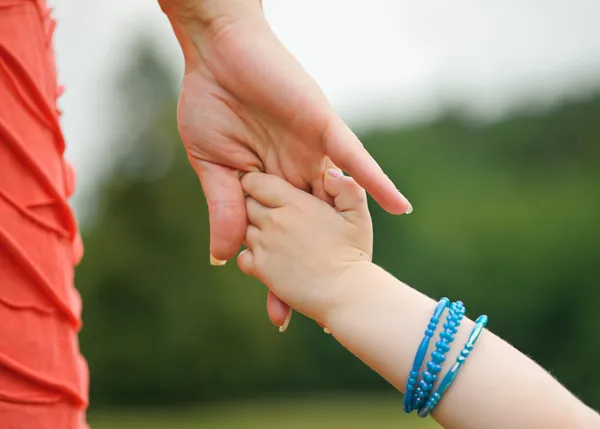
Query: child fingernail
{"x":333,"y":173}
{"x":327,"y":331}
{"x":409,"y":210}
{"x":284,"y":327}
{"x":216,"y":262}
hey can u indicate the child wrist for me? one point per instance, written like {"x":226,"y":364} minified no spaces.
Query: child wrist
{"x":345,"y":292}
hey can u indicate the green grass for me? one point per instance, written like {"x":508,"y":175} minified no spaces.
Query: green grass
{"x":364,"y":412}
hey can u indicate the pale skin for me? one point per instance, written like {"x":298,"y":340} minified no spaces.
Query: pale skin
{"x":318,"y":259}
{"x":247,"y":105}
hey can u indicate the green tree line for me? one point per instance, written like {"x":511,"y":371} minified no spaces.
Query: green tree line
{"x":506,"y":219}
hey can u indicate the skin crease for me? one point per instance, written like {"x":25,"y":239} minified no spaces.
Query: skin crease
{"x":247,"y":105}
{"x":318,"y":259}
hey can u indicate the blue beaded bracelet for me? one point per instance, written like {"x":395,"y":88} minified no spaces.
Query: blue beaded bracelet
{"x":421,"y":352}
{"x":434,"y":366}
{"x":453,"y":372}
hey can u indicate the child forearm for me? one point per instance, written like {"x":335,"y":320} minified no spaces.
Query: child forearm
{"x":315,"y":258}
{"x":382,"y":321}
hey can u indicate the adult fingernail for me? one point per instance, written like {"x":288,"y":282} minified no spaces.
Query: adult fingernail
{"x":409,"y":210}
{"x":327,"y":331}
{"x":333,"y":173}
{"x":216,"y":262}
{"x":284,"y":327}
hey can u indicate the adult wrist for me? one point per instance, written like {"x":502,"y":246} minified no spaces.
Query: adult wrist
{"x":206,"y":12}
{"x":197,"y":23}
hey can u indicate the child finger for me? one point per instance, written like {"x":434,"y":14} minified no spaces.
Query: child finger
{"x":252,"y":237}
{"x":257,"y":213}
{"x":349,"y":198}
{"x":318,"y":184}
{"x":269,"y":190}
{"x":245,"y":261}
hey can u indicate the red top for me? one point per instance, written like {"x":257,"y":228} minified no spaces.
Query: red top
{"x":39,"y":240}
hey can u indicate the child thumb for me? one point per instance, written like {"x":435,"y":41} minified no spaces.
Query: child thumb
{"x":350,"y":200}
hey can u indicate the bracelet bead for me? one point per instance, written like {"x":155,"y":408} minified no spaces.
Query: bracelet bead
{"x":436,"y":396}
{"x":434,"y":366}
{"x":412,"y":391}
{"x":444,"y":347}
{"x":440,"y":357}
{"x":420,"y":394}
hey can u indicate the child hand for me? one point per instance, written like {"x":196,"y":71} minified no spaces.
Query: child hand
{"x":299,"y":246}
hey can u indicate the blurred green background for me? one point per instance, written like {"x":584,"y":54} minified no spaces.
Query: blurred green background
{"x":506,"y":219}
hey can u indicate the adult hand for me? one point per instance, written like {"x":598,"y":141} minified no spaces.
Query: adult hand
{"x":247,"y":105}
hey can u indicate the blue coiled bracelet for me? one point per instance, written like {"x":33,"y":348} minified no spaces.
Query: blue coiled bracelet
{"x":418,"y":395}
{"x":421,"y":352}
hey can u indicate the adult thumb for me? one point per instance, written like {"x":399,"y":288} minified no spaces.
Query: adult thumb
{"x":226,"y":209}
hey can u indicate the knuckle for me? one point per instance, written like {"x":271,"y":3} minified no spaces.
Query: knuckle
{"x":260,"y":261}
{"x":251,"y":236}
{"x":297,"y":211}
{"x":246,"y":181}
{"x":276,"y":219}
{"x":254,"y":181}
{"x":270,"y":217}
{"x":361,"y":196}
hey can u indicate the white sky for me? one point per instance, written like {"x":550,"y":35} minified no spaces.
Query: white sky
{"x":377,"y":60}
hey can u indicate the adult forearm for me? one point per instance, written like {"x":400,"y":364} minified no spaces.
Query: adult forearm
{"x":197,"y":22}
{"x":382,"y":321}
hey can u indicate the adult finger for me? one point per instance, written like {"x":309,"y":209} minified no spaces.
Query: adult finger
{"x":278,"y":310}
{"x":348,"y":153}
{"x":286,"y":322}
{"x":226,"y":208}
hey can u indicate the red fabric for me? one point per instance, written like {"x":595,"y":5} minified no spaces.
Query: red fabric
{"x":43,"y":378}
